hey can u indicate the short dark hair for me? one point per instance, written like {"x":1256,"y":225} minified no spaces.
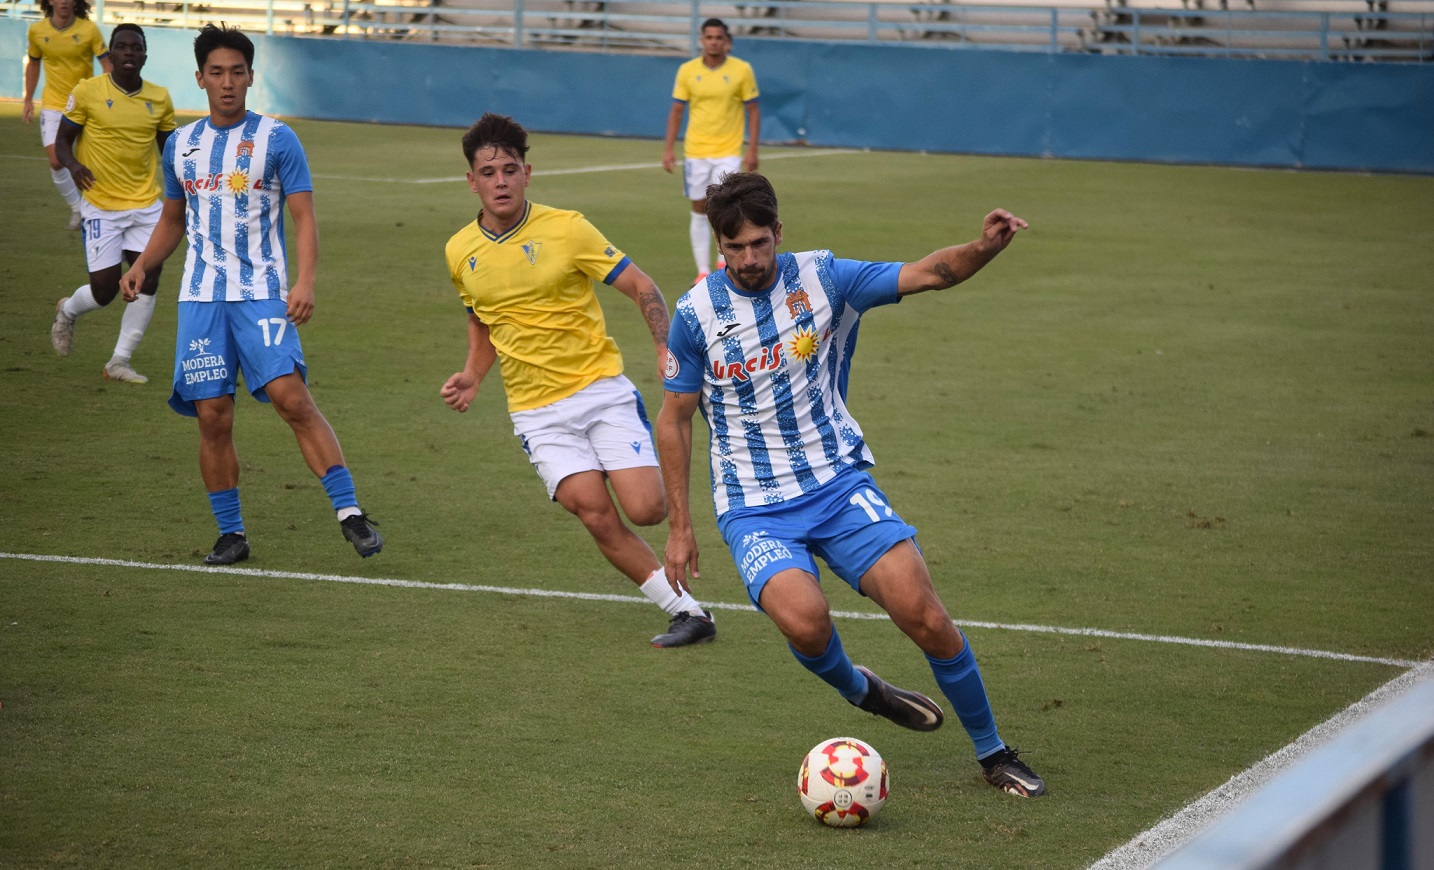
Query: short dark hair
{"x":222,"y":36}
{"x":128,"y":27}
{"x":716,"y":22}
{"x":496,"y":131}
{"x":739,"y":198}
{"x":82,"y":8}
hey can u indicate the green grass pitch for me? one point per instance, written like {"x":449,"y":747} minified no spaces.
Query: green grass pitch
{"x":1189,"y":401}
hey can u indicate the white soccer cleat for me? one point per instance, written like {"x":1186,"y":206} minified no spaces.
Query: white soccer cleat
{"x":75,"y":220}
{"x":120,"y":370}
{"x":62,"y":331}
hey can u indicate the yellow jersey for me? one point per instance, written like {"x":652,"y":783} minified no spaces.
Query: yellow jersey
{"x":715,"y":99}
{"x":118,"y":144}
{"x":533,"y":288}
{"x":68,"y":56}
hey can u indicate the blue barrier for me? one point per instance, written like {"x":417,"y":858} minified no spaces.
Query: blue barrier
{"x":1376,"y":117}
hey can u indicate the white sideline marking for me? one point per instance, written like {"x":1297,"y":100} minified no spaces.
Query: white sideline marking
{"x":715,"y":605}
{"x":580,"y":170}
{"x":1173,"y":832}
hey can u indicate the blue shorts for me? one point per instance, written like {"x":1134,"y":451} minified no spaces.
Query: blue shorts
{"x":216,"y":340}
{"x":848,"y":522}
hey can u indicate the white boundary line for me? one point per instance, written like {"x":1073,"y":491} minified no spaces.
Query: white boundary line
{"x":638,"y":599}
{"x":1173,"y":832}
{"x":580,"y":170}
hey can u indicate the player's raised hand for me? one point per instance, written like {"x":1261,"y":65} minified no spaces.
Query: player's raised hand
{"x":131,"y":281}
{"x":458,"y":391}
{"x":999,"y":228}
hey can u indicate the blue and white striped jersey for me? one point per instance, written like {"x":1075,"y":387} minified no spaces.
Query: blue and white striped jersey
{"x":771,"y":368}
{"x":234,"y":180}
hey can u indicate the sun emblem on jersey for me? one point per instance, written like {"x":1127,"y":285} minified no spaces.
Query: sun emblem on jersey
{"x":245,"y":149}
{"x":530,"y":250}
{"x":238,"y":181}
{"x":804,"y":345}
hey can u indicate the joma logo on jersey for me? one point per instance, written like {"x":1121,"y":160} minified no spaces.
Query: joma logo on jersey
{"x":233,"y":182}
{"x":770,"y":358}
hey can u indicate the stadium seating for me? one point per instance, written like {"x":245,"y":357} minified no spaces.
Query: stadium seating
{"x":1352,"y":30}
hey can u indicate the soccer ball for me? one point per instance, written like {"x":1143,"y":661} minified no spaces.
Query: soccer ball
{"x":843,"y":782}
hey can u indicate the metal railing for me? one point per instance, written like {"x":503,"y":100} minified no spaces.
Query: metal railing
{"x":1325,"y":30}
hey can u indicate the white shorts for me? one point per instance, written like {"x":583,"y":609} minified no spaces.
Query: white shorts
{"x":698,"y":172}
{"x":109,"y":233}
{"x":50,"y":126}
{"x":602,"y":427}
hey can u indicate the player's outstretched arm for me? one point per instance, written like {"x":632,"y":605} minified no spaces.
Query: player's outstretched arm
{"x":642,"y":290}
{"x":674,"y":453}
{"x":65,"y":153}
{"x":306,"y":245}
{"x":950,"y":266}
{"x":166,"y":237}
{"x":458,"y":391}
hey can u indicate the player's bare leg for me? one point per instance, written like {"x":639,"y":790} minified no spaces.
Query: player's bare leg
{"x":901,"y":584}
{"x":794,"y":601}
{"x":640,"y":494}
{"x":294,"y":403}
{"x":585,"y":495}
{"x":219,"y":467}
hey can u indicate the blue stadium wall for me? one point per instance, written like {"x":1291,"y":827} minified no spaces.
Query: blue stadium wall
{"x":1377,"y":117}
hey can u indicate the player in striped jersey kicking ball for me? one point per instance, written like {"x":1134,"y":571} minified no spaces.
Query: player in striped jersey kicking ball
{"x":763,"y":348}
{"x":227,"y":178}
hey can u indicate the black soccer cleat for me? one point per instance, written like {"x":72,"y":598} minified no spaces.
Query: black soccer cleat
{"x":686,"y":630}
{"x":230,"y":548}
{"x":359,"y":530}
{"x":1006,"y":771}
{"x":908,"y":709}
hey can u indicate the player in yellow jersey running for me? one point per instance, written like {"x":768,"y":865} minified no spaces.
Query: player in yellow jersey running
{"x":525,"y":273}
{"x":109,"y":139}
{"x":65,"y":44}
{"x":716,"y":90}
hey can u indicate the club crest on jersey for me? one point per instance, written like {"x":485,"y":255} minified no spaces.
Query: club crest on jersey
{"x":530,"y":250}
{"x":769,"y":358}
{"x":244,"y":149}
{"x":798,"y":303}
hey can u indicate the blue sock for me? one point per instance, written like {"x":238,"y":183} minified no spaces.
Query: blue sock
{"x":960,"y":680}
{"x":339,"y":484}
{"x":225,"y":505}
{"x":835,"y":669}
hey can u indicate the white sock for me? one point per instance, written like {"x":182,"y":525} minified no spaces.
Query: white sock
{"x":80,"y":303}
{"x":132,"y":326}
{"x":66,"y":185}
{"x":701,"y":235}
{"x":659,"y":592}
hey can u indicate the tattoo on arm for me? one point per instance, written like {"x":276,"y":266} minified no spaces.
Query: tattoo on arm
{"x":948,"y":275}
{"x":654,"y":311}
